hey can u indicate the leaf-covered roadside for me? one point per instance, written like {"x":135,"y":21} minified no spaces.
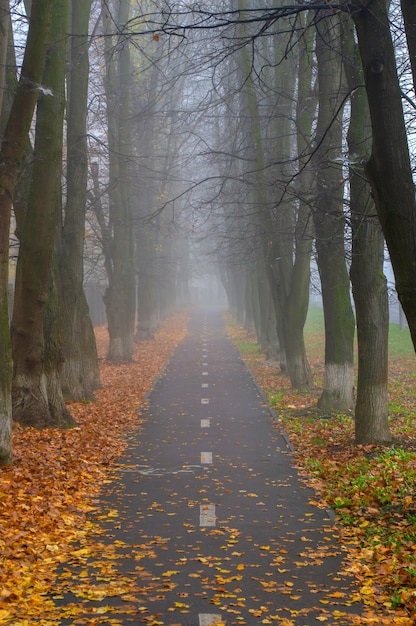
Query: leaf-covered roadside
{"x":46,"y":494}
{"x":372,"y":489}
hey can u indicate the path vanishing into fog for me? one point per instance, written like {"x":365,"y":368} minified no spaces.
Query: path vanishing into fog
{"x":208,"y":514}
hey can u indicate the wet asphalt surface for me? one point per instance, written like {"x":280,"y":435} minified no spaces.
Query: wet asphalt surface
{"x":206,"y":516}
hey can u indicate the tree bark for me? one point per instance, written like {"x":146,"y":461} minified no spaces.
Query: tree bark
{"x":4,"y":42}
{"x":388,"y":168}
{"x":329,"y":222}
{"x":297,"y":301}
{"x":147,"y":310}
{"x":369,"y":284}
{"x":37,"y":395}
{"x":409,"y":17}
{"x":120,"y":297}
{"x":80,"y":373}
{"x":12,"y":150}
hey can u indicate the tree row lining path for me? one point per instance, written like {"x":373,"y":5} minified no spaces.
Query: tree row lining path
{"x":208,"y":513}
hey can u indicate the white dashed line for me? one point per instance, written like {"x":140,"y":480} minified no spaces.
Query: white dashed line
{"x":204,"y":385}
{"x":204,"y":400}
{"x":206,"y":458}
{"x":204,"y":373}
{"x":207,"y":619}
{"x":207,"y":517}
{"x":205,"y":423}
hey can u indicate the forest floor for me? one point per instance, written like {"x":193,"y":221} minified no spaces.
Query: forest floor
{"x":45,"y":497}
{"x":371,"y":488}
{"x":56,"y":475}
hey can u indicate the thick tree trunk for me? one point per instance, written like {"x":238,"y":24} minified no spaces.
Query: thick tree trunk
{"x":389,"y":169}
{"x":234,"y":281}
{"x":5,"y":348}
{"x":12,"y":150}
{"x":272,"y":248}
{"x":264,"y":309}
{"x":409,"y":17}
{"x":369,"y":284}
{"x":147,"y":307}
{"x":37,"y":395}
{"x":120,"y":295}
{"x":297,"y":301}
{"x":4,"y":37}
{"x":80,"y":374}
{"x":329,"y":223}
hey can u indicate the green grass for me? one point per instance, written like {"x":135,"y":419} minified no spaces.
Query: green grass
{"x":315,"y":320}
{"x":371,"y":488}
{"x":400,"y":342}
{"x":247,"y":347}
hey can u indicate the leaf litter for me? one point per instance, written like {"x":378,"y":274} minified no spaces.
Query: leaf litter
{"x":57,"y":476}
{"x":372,"y":489}
{"x":54,"y":482}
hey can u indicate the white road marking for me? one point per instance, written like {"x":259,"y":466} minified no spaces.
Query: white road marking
{"x":207,"y":516}
{"x":204,"y":385}
{"x":205,"y":423}
{"x":207,"y":619}
{"x":205,"y":363}
{"x":204,"y":373}
{"x":204,"y":400}
{"x":206,"y":458}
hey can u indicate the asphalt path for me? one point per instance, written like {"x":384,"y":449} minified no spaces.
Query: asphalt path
{"x":207,"y":510}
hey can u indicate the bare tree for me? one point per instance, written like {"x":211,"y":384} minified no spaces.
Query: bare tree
{"x":330,"y":222}
{"x":11,"y":154}
{"x":80,"y":375}
{"x":389,"y":168}
{"x":369,"y":284}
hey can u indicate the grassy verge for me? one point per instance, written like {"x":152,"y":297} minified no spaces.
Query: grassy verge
{"x":372,"y":489}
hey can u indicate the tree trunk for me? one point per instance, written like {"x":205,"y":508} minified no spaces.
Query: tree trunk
{"x":120,"y":295}
{"x":329,"y":223}
{"x":369,"y":284}
{"x":266,"y":224}
{"x":80,"y":374}
{"x":409,"y":17}
{"x":297,"y":301}
{"x":389,"y":169}
{"x":264,"y":311}
{"x":4,"y":42}
{"x":37,"y":395}
{"x":12,"y":150}
{"x":147,"y":318}
{"x":234,"y":281}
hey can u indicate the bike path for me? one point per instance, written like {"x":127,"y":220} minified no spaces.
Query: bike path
{"x":208,"y":512}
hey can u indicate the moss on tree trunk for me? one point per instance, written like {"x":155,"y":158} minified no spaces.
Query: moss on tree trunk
{"x":37,"y":354}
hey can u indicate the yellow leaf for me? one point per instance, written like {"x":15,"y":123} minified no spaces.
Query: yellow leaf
{"x":81,"y":552}
{"x":170,"y":573}
{"x":240,"y":566}
{"x":4,"y":614}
